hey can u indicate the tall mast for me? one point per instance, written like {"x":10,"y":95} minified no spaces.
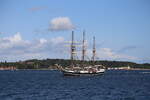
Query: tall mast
{"x":94,"y":49}
{"x":83,"y":47}
{"x":72,"y":47}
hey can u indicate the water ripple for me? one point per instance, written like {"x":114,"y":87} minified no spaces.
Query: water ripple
{"x":52,"y":85}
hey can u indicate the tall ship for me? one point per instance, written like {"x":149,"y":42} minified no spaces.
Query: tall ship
{"x":82,"y":69}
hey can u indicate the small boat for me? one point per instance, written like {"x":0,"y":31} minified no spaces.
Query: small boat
{"x":82,"y":70}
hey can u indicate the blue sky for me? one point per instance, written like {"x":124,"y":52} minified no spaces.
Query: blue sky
{"x":121,"y":28}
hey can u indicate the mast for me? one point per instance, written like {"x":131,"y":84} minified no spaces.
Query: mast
{"x":94,"y":49}
{"x":72,"y":47}
{"x":83,"y":47}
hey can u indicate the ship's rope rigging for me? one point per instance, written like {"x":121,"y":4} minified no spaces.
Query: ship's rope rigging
{"x":74,"y":51}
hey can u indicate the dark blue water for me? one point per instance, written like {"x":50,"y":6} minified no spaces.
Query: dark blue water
{"x":51,"y":85}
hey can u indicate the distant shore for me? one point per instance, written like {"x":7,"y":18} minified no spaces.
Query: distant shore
{"x":50,"y":64}
{"x":131,"y":69}
{"x":58,"y":69}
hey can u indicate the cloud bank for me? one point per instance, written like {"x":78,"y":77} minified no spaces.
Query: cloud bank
{"x":15,"y":48}
{"x":61,"y":24}
{"x":109,"y":54}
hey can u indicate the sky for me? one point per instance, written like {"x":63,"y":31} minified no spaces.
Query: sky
{"x":40,"y":29}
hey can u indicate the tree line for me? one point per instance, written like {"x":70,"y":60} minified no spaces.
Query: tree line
{"x":50,"y":63}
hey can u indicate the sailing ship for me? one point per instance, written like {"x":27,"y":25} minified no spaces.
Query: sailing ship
{"x":82,"y":69}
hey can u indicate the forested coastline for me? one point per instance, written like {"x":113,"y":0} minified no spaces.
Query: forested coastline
{"x":50,"y":64}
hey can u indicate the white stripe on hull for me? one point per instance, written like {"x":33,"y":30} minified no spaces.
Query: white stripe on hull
{"x":68,"y":73}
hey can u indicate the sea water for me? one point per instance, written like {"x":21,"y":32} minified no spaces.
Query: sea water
{"x":52,"y":85}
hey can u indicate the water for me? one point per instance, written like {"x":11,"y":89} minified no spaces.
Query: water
{"x":51,"y":85}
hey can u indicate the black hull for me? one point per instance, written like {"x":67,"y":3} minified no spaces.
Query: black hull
{"x":81,"y":74}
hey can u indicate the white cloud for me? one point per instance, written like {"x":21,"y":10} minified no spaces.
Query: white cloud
{"x":16,"y":38}
{"x":16,"y":48}
{"x":57,"y":40}
{"x":61,"y":24}
{"x":42,"y":40}
{"x":107,"y":53}
{"x":9,"y":42}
